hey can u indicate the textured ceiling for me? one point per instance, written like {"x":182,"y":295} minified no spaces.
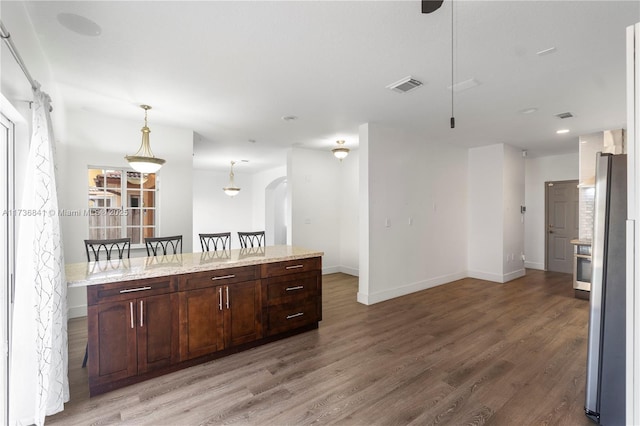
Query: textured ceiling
{"x":230,"y":70}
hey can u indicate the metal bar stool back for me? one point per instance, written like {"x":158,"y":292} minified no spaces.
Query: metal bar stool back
{"x":215,"y":242}
{"x":251,"y":239}
{"x":163,"y":245}
{"x":110,"y":247}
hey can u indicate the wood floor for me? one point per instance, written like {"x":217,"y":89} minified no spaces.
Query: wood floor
{"x":466,"y":353}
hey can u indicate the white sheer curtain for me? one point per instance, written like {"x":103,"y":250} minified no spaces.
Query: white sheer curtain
{"x":38,"y":380}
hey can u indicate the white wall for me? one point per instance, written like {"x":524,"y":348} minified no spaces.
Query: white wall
{"x":513,"y":199}
{"x":349,"y":213}
{"x":313,"y":180}
{"x":486,"y":215}
{"x":214,"y":211}
{"x":496,"y":228}
{"x":413,"y":212}
{"x":97,"y":140}
{"x":537,"y":172}
{"x":260,"y":183}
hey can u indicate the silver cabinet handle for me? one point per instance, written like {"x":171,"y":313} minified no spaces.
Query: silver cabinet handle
{"x":299,"y":314}
{"x":227,"y":296}
{"x":131,"y":309}
{"x":298,"y":287}
{"x":295,"y":267}
{"x":131,"y":290}
{"x":141,"y":314}
{"x":223,"y":277}
{"x":220,"y":298}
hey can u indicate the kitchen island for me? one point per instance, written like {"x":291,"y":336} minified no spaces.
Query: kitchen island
{"x":152,"y":315}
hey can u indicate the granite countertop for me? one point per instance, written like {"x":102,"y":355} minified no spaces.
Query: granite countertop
{"x":108,"y":271}
{"x":581,"y":242}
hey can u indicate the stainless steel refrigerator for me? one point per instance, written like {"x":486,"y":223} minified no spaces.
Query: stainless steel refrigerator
{"x":605,"y":388}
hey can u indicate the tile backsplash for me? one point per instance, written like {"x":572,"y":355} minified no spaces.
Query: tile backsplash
{"x":586,"y":203}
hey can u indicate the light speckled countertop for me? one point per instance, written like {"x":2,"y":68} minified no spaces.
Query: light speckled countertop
{"x":581,"y":242}
{"x":109,"y":271}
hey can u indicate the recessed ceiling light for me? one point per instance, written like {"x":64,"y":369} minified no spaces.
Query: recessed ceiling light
{"x":528,"y":110}
{"x":548,"y":51}
{"x":289,"y":117}
{"x":562,"y":131}
{"x":79,"y":24}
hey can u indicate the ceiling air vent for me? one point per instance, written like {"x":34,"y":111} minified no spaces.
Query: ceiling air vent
{"x":564,"y":115}
{"x":404,"y":85}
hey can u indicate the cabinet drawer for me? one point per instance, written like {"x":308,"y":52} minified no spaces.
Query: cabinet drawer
{"x":291,"y":316}
{"x":291,"y":267}
{"x":218,"y":277}
{"x":129,"y":289}
{"x":304,"y":286}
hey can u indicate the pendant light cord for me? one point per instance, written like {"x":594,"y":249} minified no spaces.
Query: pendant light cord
{"x":453,"y":120}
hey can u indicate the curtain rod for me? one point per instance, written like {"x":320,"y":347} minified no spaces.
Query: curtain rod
{"x":6,"y":37}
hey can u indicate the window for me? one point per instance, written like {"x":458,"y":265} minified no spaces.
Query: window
{"x":122,"y":203}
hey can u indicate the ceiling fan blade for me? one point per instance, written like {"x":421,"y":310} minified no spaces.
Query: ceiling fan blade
{"x":429,"y":6}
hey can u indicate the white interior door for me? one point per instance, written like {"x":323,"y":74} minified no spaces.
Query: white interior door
{"x":562,"y":224}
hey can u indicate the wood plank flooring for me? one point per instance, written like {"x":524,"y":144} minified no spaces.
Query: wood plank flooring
{"x":469,"y":352}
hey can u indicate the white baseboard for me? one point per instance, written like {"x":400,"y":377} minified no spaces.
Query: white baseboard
{"x":350,"y":271}
{"x":343,"y":269}
{"x":534,"y":265}
{"x":330,"y":270}
{"x":77,"y":311}
{"x":487,"y":276}
{"x":370,"y":299}
{"x":513,"y":275}
{"x":497,"y":278}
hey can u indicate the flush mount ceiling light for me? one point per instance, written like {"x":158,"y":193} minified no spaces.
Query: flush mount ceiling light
{"x":340,"y":151}
{"x":231,"y":190}
{"x":562,"y":131}
{"x":144,"y":161}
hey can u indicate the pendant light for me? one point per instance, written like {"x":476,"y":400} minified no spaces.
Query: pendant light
{"x":144,"y":161}
{"x":340,"y":151}
{"x":232,"y":189}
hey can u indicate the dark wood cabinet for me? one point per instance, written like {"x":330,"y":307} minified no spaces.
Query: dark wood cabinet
{"x":142,"y":328}
{"x":201,"y":323}
{"x":293,"y":301}
{"x":219,"y":317}
{"x":133,"y":335}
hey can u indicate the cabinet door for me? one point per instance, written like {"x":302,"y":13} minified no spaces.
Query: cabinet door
{"x":112,"y":333}
{"x":243,"y":310}
{"x":157,"y":331}
{"x":200,"y":322}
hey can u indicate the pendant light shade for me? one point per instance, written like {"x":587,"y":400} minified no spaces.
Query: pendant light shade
{"x":340,"y":151}
{"x":144,"y":161}
{"x":231,"y":190}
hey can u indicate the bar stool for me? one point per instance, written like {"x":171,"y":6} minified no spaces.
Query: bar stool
{"x":163,"y":245}
{"x":251,"y":239}
{"x":107,"y":246}
{"x":121,"y":246}
{"x":219,"y":241}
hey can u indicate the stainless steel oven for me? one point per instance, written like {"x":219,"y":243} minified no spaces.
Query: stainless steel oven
{"x":582,"y":267}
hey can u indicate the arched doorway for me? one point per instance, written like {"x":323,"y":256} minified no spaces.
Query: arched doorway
{"x":276,"y":211}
